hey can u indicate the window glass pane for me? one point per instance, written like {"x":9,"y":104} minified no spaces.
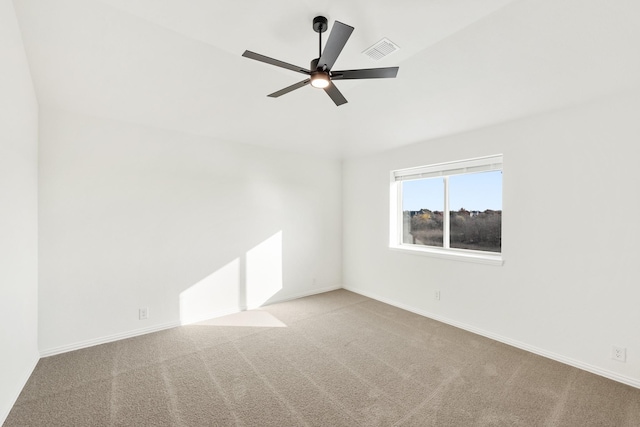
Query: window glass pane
{"x":475,"y":202}
{"x":422,"y":207}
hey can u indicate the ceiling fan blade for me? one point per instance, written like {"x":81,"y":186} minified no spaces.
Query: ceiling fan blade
{"x":370,"y":73}
{"x":335,"y":94}
{"x":340,"y":33}
{"x":290,"y":88}
{"x":267,"y":60}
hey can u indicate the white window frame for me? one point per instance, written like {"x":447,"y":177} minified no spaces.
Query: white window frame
{"x":445,"y":170}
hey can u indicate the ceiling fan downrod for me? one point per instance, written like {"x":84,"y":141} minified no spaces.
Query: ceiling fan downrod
{"x":320,"y":26}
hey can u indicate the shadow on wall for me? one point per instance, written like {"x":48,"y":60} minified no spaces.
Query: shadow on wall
{"x":244,"y":283}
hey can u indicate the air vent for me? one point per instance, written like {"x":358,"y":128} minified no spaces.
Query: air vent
{"x":381,"y":49}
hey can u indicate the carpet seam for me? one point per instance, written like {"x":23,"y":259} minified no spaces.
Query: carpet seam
{"x":558,"y":409}
{"x":218,"y":387}
{"x":170,"y":389}
{"x":400,"y":373}
{"x":325,"y":392}
{"x":270,"y":386}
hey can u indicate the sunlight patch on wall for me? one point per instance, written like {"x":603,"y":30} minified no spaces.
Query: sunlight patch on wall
{"x":216,"y":294}
{"x":264,"y":271}
{"x":246,"y":282}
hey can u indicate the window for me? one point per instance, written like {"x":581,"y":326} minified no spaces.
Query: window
{"x":452,"y":210}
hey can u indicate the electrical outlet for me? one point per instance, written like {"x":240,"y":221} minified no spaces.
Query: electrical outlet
{"x":143,"y":313}
{"x":619,"y":353}
{"x":437,"y":295}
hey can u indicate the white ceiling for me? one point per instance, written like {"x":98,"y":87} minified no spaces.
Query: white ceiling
{"x":464,"y":64}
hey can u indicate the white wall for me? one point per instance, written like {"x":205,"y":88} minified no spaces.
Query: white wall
{"x":571,"y":236}
{"x":18,"y":214}
{"x":187,"y":226}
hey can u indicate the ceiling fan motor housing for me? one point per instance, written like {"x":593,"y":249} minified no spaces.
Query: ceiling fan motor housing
{"x":315,"y":66}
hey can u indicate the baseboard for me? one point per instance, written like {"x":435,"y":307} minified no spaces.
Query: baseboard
{"x":514,"y":343}
{"x":137,"y":332}
{"x":23,"y":381}
{"x":106,"y":339}
{"x":233,"y":310}
{"x":302,"y":295}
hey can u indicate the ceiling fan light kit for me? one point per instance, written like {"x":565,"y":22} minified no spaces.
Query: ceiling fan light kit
{"x":319,"y":80}
{"x":320,"y":74}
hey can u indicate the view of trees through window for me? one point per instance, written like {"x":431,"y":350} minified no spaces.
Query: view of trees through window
{"x":475,"y":213}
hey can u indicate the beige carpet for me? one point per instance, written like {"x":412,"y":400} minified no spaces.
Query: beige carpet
{"x":336,"y":359}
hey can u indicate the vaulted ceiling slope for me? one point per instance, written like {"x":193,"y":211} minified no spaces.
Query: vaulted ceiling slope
{"x":464,"y":64}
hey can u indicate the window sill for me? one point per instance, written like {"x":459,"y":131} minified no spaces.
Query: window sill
{"x":451,"y":254}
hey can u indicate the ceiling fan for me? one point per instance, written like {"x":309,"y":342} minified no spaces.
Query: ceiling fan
{"x":320,"y":73}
